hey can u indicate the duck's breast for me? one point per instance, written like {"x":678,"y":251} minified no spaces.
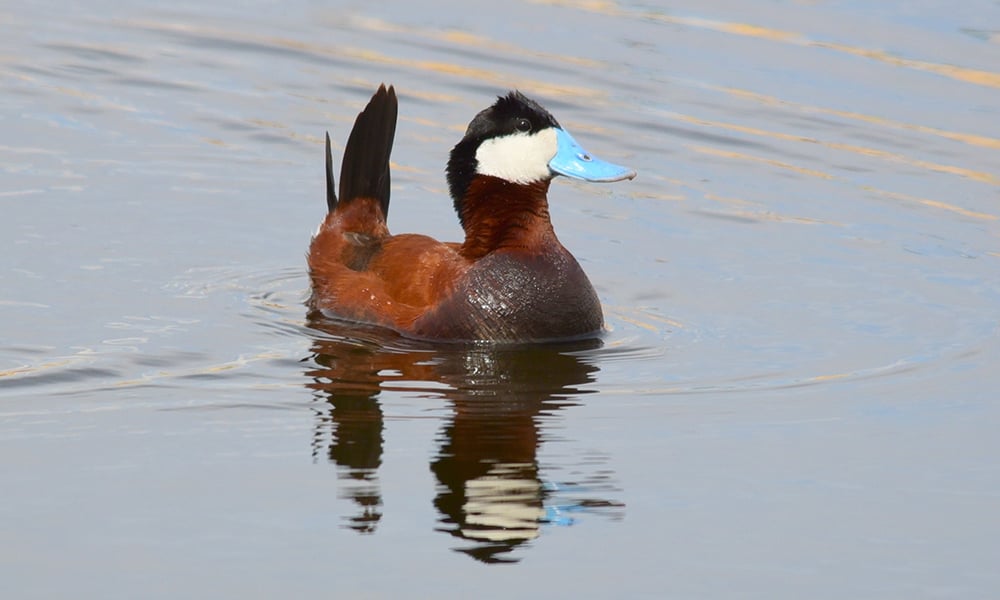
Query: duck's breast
{"x":514,"y":296}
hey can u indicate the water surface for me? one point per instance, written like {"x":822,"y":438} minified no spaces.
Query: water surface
{"x":795,"y":396}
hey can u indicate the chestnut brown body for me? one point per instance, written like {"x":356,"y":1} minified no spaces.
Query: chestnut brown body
{"x":510,"y":280}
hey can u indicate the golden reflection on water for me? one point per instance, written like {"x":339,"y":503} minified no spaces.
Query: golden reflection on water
{"x":768,"y":161}
{"x":642,"y":318}
{"x":967,"y":75}
{"x":967,"y":138}
{"x":755,"y":212}
{"x":470,"y":40}
{"x":934,"y":204}
{"x":462,"y":40}
{"x":367,"y":55}
{"x":979,"y":176}
{"x":853,"y":148}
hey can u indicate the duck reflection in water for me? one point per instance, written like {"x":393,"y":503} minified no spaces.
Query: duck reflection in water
{"x":489,"y":491}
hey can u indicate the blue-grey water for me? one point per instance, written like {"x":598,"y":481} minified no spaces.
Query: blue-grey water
{"x":798,"y":395}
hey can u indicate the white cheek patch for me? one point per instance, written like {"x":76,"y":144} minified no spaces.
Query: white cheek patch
{"x":519,"y":157}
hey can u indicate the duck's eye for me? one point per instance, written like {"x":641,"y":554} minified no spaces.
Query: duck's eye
{"x":523,"y":125}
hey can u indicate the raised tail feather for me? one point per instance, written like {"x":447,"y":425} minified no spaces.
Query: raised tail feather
{"x":364,"y":172}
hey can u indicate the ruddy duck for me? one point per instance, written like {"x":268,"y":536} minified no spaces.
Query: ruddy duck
{"x":509,"y":281}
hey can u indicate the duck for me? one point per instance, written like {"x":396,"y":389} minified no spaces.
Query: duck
{"x":510,"y":280}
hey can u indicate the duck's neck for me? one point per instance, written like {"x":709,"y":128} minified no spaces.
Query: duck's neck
{"x":497,"y":214}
